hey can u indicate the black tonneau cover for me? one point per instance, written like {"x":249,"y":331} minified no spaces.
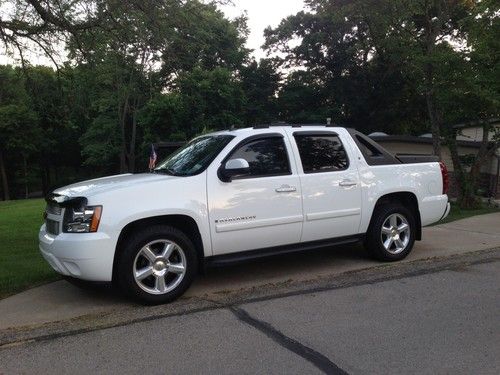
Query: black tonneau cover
{"x":416,"y":158}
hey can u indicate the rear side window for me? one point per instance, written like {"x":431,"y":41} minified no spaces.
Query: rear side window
{"x":266,"y":157}
{"x":321,"y":153}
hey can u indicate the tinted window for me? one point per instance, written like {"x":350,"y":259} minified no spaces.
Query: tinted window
{"x":321,"y":153}
{"x":266,"y":157}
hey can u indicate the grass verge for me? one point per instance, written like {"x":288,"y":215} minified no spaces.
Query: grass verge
{"x":456,"y":213}
{"x":21,"y":264}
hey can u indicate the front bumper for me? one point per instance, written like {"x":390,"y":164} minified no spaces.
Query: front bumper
{"x":87,"y":256}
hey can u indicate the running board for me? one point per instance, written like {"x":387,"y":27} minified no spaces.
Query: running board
{"x":243,"y":256}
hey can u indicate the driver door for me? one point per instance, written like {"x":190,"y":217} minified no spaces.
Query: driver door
{"x":261,"y":209}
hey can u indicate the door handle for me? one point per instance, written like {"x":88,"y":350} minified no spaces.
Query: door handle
{"x":347,"y":183}
{"x":285,"y":189}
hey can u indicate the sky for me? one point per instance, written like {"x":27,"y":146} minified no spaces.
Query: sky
{"x":260,"y":13}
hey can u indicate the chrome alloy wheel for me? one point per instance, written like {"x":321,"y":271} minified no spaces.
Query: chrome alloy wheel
{"x":395,"y":234}
{"x":159,"y":267}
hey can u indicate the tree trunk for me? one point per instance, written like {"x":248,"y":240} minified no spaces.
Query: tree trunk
{"x":133,"y":138}
{"x":435,"y":125}
{"x":46,"y":181}
{"x":123,"y":146}
{"x":25,"y":167}
{"x":458,"y":171}
{"x":482,"y":154}
{"x":431,"y":33}
{"x":467,"y":182}
{"x":3,"y":173}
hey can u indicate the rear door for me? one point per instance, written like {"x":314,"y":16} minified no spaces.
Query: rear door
{"x":330,"y":185}
{"x":259,"y":210}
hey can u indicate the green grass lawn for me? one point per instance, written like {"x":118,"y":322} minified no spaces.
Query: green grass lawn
{"x":456,"y":213}
{"x":21,"y":264}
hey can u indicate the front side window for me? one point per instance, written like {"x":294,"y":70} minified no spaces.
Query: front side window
{"x":321,"y":153}
{"x":194,"y":157}
{"x":266,"y":157}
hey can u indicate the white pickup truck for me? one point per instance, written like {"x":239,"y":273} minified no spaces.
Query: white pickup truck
{"x":238,"y":194}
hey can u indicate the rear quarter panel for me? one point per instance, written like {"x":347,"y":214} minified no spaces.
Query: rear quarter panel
{"x":423,"y":180}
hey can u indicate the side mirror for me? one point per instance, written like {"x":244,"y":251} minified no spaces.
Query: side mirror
{"x":234,"y":168}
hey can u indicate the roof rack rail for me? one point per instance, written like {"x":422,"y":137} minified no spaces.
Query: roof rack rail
{"x":267,"y":126}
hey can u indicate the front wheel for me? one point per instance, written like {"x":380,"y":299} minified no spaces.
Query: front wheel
{"x":391,"y":234}
{"x":157,"y":265}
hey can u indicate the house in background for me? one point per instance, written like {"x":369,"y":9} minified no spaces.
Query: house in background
{"x":468,"y":143}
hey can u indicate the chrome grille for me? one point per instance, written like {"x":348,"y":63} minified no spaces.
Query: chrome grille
{"x":52,"y":226}
{"x":53,"y":208}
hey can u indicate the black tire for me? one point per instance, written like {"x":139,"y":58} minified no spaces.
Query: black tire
{"x":124,"y":273}
{"x":374,"y":238}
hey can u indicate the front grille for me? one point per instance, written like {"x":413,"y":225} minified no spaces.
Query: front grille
{"x":52,"y":226}
{"x":53,"y":208}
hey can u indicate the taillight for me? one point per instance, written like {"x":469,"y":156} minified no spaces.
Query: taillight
{"x":445,"y":176}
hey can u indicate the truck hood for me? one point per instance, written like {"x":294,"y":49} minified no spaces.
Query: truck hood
{"x":105,"y":184}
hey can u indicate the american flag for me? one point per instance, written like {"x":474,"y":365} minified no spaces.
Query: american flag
{"x":152,"y":158}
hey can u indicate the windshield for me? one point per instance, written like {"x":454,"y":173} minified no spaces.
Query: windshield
{"x":194,"y":157}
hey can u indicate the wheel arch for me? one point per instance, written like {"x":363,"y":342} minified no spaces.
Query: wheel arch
{"x":181,"y":222}
{"x":406,"y":198}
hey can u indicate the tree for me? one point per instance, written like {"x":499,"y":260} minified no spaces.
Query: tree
{"x":164,"y":117}
{"x":469,"y":90}
{"x":356,"y":61}
{"x":151,"y":45}
{"x":35,"y":24}
{"x":19,"y":130}
{"x":213,"y":100}
{"x":48,"y":95}
{"x":302,"y":100}
{"x":260,"y":82}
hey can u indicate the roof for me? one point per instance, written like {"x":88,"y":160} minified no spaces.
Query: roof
{"x":473,"y":124}
{"x":263,"y":127}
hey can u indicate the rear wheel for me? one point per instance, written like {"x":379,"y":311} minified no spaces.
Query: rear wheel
{"x":391,"y":234}
{"x":157,"y":265}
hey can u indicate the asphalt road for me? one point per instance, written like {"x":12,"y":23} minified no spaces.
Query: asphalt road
{"x":442,"y":320}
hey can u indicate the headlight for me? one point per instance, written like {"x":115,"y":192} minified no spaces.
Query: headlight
{"x":82,"y":220}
